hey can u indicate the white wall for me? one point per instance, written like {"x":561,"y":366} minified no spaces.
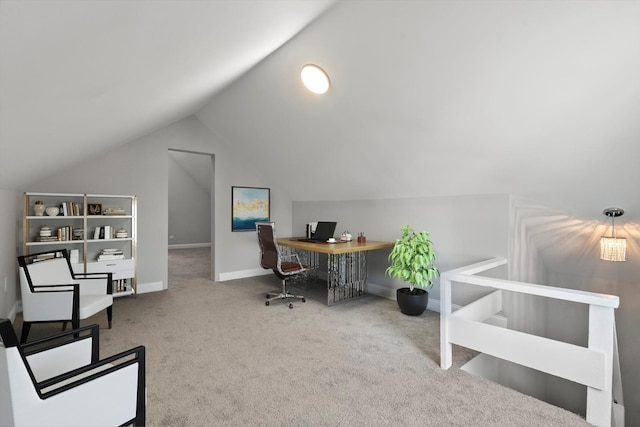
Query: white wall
{"x":10,"y":212}
{"x":563,"y":321}
{"x":627,"y":319}
{"x":464,"y":229}
{"x":141,"y":168}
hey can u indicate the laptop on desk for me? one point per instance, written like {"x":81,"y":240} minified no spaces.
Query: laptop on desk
{"x":324,"y":231}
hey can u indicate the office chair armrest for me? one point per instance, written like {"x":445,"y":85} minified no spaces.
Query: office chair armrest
{"x":297,"y":259}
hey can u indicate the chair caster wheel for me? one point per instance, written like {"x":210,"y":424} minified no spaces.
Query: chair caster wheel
{"x":267,"y":303}
{"x":290,"y":305}
{"x":304,"y":300}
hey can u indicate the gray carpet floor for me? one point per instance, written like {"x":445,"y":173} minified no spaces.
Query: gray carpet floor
{"x":217,"y":356}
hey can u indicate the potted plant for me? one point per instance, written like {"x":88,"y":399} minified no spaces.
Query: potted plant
{"x":412,"y":260}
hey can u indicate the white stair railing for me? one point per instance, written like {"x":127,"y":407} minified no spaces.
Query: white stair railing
{"x":593,"y":366}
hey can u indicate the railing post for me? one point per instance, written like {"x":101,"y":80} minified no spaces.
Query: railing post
{"x":601,"y":327}
{"x":446,"y":349}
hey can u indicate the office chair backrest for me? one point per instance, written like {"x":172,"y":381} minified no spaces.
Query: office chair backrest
{"x":270,"y":256}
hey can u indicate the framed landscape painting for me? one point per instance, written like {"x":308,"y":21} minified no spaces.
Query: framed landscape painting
{"x":248,"y":206}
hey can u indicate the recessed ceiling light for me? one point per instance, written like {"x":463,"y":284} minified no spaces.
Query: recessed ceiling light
{"x":315,"y":78}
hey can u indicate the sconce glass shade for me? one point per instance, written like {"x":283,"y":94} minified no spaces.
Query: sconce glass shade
{"x":613,"y":248}
{"x":315,"y":79}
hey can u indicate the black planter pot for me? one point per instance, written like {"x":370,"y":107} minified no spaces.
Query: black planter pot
{"x":412,"y":303}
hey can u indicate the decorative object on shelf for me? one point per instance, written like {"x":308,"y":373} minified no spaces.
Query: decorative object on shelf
{"x":94,"y":209}
{"x":78,"y":234}
{"x":361,"y":238}
{"x":613,"y":248}
{"x":121,"y":233}
{"x":52,"y":210}
{"x":412,"y":260}
{"x":248,"y":206}
{"x":74,"y":256}
{"x":38,"y":208}
{"x":113,"y":211}
{"x":46,"y":235}
{"x":45,"y":231}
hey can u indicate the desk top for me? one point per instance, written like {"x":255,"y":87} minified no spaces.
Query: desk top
{"x":334,"y":248}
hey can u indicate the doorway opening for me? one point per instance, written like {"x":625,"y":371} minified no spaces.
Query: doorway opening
{"x":191,"y":219}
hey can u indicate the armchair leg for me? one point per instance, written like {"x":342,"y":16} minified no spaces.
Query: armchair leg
{"x":26,"y":326}
{"x":109,"y":314}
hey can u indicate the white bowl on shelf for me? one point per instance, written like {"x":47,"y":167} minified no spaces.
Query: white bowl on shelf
{"x":52,"y":210}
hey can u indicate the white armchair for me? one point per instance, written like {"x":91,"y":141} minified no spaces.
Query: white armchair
{"x":52,"y":292}
{"x":61,"y":381}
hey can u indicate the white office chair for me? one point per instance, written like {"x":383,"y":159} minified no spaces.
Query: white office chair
{"x":52,"y":292}
{"x":60,"y":381}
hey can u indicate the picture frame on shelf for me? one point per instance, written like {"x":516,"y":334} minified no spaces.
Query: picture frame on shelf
{"x":94,"y":209}
{"x":248,"y":206}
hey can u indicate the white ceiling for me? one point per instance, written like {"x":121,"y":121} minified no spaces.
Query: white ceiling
{"x":85,"y":76}
{"x":535,"y":98}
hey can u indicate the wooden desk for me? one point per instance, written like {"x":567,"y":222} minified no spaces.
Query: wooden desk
{"x":346,"y":264}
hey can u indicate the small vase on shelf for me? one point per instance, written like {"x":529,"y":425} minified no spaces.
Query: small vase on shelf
{"x":38,"y":208}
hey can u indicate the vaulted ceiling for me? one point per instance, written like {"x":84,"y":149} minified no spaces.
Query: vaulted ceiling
{"x":87,"y":76}
{"x":535,"y":98}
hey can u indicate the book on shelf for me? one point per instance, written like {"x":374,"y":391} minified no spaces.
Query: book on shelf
{"x":110,"y":254}
{"x":109,"y":257}
{"x":65,"y":233}
{"x":46,"y":239}
{"x":70,"y":209}
{"x":103,"y":232}
{"x":120,"y":285}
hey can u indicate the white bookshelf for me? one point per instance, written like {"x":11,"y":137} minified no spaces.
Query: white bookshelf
{"x":75,"y":229}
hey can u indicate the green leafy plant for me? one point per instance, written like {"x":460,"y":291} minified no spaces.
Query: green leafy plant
{"x":412,"y":259}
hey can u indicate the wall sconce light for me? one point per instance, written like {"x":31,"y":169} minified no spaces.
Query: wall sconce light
{"x":315,"y":79}
{"x":613,"y":248}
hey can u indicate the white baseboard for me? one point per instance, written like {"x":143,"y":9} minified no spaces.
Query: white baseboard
{"x":242,"y":274}
{"x":374,"y":289}
{"x":390,"y":293}
{"x":381,"y":291}
{"x":190,"y":245}
{"x":144,"y":288}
